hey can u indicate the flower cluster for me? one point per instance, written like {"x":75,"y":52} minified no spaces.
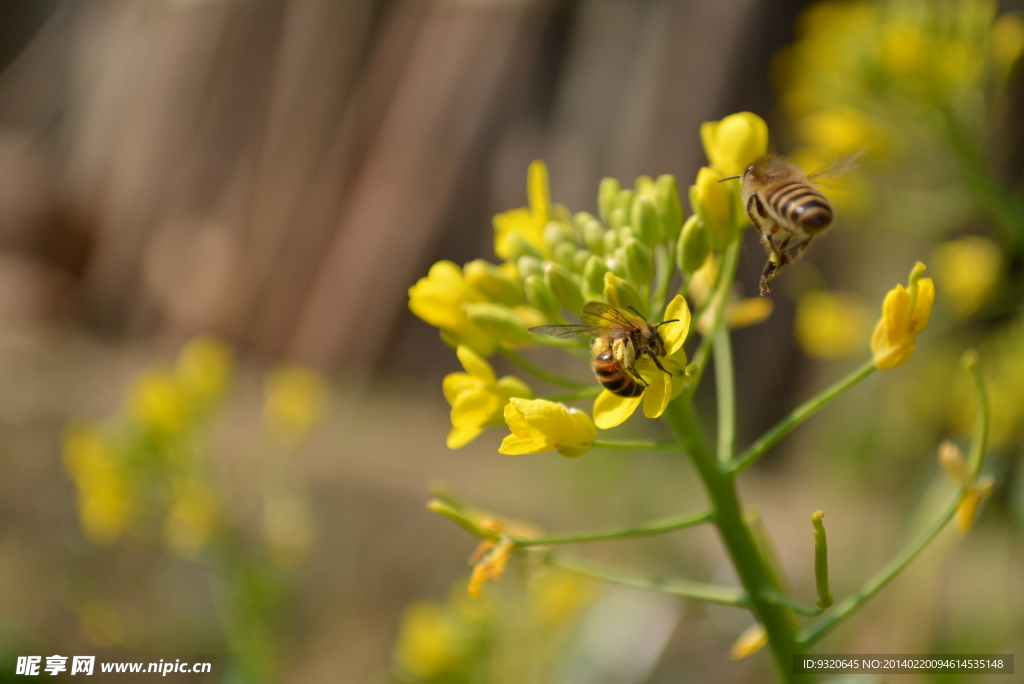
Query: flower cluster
{"x":925,"y":61}
{"x":629,"y":256}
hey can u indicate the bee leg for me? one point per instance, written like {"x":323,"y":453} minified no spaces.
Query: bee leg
{"x":658,"y":364}
{"x":771,"y":270}
{"x":636,"y":374}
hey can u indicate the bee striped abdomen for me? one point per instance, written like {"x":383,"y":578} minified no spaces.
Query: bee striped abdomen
{"x":613,"y":377}
{"x":800,"y":203}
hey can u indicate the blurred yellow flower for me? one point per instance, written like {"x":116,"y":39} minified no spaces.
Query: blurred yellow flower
{"x":288,"y":527}
{"x":969,"y":270}
{"x":431,"y":642}
{"x":439,"y":299}
{"x":750,"y":642}
{"x":905,"y":313}
{"x":156,"y":402}
{"x":478,"y":397}
{"x":539,"y":425}
{"x":735,"y":142}
{"x":295,"y":398}
{"x":975,"y":489}
{"x":526,"y":224}
{"x":204,"y":368}
{"x":489,"y":563}
{"x":191,"y":519}
{"x":104,"y":494}
{"x":558,"y":597}
{"x":611,"y":409}
{"x":832,"y":325}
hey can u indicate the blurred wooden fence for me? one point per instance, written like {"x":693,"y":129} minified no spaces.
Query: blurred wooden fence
{"x":281,"y":172}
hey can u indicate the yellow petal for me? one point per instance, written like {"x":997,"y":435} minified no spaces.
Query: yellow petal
{"x":923,"y":305}
{"x":538,"y":190}
{"x":459,"y":437}
{"x":611,"y":409}
{"x":658,"y":394}
{"x":674,"y":334}
{"x":735,"y":142}
{"x":475,"y":365}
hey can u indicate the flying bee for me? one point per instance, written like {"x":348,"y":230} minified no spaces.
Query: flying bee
{"x":787,"y":210}
{"x":617,"y":342}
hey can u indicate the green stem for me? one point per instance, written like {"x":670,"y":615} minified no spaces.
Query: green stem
{"x":796,"y":417}
{"x":644,"y":530}
{"x":725,"y":392}
{"x":540,"y":372}
{"x":648,"y":446}
{"x":718,"y":301}
{"x":691,"y":590}
{"x":756,"y":577}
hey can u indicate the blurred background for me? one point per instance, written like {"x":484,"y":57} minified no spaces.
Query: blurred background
{"x":272,"y":177}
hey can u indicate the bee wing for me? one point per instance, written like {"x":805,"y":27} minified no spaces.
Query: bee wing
{"x":837,"y":168}
{"x":565,"y":331}
{"x":601,"y":315}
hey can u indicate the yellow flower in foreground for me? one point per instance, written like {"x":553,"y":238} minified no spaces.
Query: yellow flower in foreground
{"x":735,"y":142}
{"x":831,"y":325}
{"x":611,"y":409}
{"x":478,"y":397}
{"x":905,"y":313}
{"x":440,"y":299}
{"x":714,"y":204}
{"x":295,"y":398}
{"x":539,"y":425}
{"x":526,"y":224}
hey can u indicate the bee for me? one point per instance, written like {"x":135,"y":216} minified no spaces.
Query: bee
{"x":787,"y":210}
{"x":617,"y":342}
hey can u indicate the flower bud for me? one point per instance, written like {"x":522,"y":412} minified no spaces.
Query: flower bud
{"x":621,"y":294}
{"x":528,"y":265}
{"x":639,"y":262}
{"x":645,"y":221}
{"x":498,"y":321}
{"x":564,"y":253}
{"x":579,"y":262}
{"x":618,"y":219}
{"x":643,"y":185}
{"x":556,"y":232}
{"x":593,"y":278}
{"x":539,"y":295}
{"x":669,"y":206}
{"x":564,"y":287}
{"x":607,"y":191}
{"x":593,"y":234}
{"x":713,"y":202}
{"x":611,"y":241}
{"x":692,"y":248}
{"x":490,"y":281}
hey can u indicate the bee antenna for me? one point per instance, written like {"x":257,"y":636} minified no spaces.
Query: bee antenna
{"x":729,"y":178}
{"x":633,"y":309}
{"x":674,"y":320}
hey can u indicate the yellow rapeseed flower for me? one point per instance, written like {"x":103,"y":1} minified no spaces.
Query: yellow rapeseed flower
{"x":104,"y":492}
{"x":440,"y":299}
{"x":478,"y":397}
{"x":204,"y":368}
{"x":191,"y":519}
{"x":611,"y":409}
{"x":157,"y":403}
{"x":714,"y":203}
{"x":526,"y":224}
{"x":905,"y":313}
{"x":431,"y":641}
{"x":294,"y":401}
{"x":539,"y":425}
{"x":735,"y":142}
{"x":831,"y":325}
{"x":969,"y":270}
